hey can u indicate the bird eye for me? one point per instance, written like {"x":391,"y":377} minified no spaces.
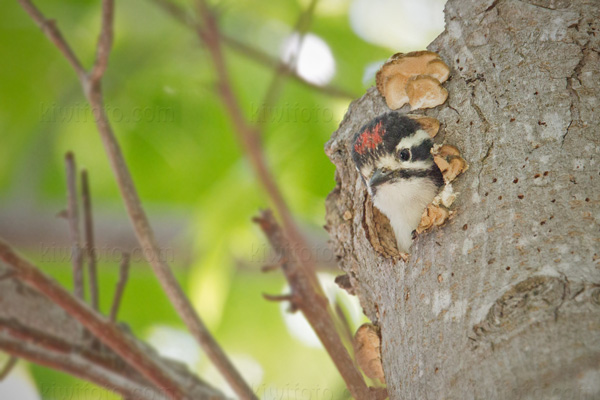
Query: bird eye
{"x":404,"y":154}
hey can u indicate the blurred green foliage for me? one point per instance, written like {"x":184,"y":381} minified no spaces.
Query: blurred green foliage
{"x":184,"y":157}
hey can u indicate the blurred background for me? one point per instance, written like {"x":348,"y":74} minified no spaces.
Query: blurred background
{"x":198,"y":189}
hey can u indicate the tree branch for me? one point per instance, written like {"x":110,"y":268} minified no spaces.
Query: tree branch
{"x":300,"y":272}
{"x":98,"y":325}
{"x":73,"y":220}
{"x":317,"y":313}
{"x":88,"y":224}
{"x":104,"y":42}
{"x":314,"y":307}
{"x":49,"y":28}
{"x":40,"y":331}
{"x":135,"y":211}
{"x":249,"y":136}
{"x":123,"y":274}
{"x":102,"y":369}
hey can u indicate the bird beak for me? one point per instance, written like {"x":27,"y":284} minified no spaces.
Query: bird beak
{"x":379,"y":177}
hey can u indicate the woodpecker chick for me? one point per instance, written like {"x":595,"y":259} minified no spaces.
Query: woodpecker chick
{"x":393,"y":156}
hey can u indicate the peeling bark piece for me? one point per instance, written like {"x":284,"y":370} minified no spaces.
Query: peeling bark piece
{"x":449,"y":161}
{"x":413,"y":78}
{"x":457,"y":166}
{"x":434,"y":215}
{"x":367,"y":350}
{"x":441,"y":162}
{"x":448,"y":150}
{"x":343,"y":281}
{"x":380,"y":232}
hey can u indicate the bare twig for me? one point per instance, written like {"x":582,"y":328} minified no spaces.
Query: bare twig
{"x":49,"y":28}
{"x":248,"y":136}
{"x":284,"y":297}
{"x":88,"y":224}
{"x":100,"y":327}
{"x":73,"y":219}
{"x":300,"y":272}
{"x":10,"y":364}
{"x":270,"y":268}
{"x":104,"y":42}
{"x":152,"y":253}
{"x":252,"y":53}
{"x":314,"y":307}
{"x":279,"y":297}
{"x":138,"y":217}
{"x":123,"y":274}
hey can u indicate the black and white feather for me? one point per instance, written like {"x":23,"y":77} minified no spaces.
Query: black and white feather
{"x":393,"y":156}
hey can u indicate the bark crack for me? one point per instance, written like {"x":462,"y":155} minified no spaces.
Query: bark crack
{"x":480,"y":113}
{"x":575,"y":99}
{"x":492,"y":6}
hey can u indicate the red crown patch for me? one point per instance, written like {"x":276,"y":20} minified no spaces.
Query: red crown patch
{"x":369,"y":139}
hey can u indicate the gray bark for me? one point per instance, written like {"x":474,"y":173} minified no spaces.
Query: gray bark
{"x":504,"y":300}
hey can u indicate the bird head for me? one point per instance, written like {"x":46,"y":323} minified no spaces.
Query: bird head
{"x":393,"y":156}
{"x":392,"y":149}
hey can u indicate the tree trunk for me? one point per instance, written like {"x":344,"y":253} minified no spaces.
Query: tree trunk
{"x":504,"y":300}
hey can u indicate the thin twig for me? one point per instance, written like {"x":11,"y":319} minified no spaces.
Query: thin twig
{"x":314,"y":307}
{"x":101,"y":327}
{"x":123,"y":274}
{"x":300,"y":272}
{"x":88,"y":229}
{"x":104,"y":42}
{"x":248,"y":136}
{"x":152,"y":253}
{"x":142,"y":228}
{"x":270,"y":268}
{"x":278,"y":297}
{"x":49,"y":28}
{"x":73,"y":219}
{"x":283,"y":297}
{"x":252,"y":53}
{"x":10,"y":364}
